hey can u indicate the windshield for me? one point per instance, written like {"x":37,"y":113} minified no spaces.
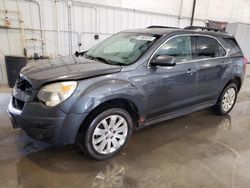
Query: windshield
{"x":122,"y":48}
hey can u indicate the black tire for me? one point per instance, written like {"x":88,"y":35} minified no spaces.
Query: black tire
{"x":85,"y":140}
{"x":218,"y":109}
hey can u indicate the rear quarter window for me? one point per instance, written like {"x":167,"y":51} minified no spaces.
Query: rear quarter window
{"x":233,"y":46}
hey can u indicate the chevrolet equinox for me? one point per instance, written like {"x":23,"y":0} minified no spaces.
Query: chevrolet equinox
{"x":133,"y":79}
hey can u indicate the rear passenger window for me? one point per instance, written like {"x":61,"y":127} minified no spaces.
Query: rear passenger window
{"x":179,"y":47}
{"x":207,"y":47}
{"x":234,"y":48}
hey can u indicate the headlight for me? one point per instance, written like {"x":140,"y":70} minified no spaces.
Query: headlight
{"x":53,"y":94}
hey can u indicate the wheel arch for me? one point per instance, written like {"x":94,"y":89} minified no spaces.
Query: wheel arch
{"x":236,"y":80}
{"x":217,"y":107}
{"x":123,"y":103}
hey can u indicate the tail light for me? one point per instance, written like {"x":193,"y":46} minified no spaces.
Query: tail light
{"x":245,"y":61}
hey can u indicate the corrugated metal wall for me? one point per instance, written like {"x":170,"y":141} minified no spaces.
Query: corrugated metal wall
{"x":46,"y":25}
{"x":47,"y":30}
{"x":60,"y":27}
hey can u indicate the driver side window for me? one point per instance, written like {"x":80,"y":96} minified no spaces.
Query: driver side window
{"x":178,"y":47}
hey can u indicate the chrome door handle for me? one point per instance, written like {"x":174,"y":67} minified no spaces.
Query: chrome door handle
{"x":190,"y":71}
{"x":222,"y":64}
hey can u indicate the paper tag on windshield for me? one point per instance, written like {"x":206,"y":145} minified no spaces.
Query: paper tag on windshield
{"x":147,"y":38}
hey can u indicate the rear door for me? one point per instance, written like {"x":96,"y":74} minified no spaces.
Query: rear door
{"x":211,"y":62}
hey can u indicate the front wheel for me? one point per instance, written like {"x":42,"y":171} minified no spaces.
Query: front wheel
{"x":226,"y":100}
{"x":107,"y":133}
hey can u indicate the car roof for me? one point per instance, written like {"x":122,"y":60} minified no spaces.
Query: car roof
{"x":176,"y":31}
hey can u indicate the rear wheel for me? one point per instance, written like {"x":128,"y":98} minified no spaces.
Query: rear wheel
{"x":226,"y":100}
{"x":107,"y":133}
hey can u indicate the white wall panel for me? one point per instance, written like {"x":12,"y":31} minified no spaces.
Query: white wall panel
{"x":49,"y":15}
{"x":241,"y":31}
{"x":161,"y":6}
{"x":104,"y":18}
{"x":111,"y":20}
{"x":83,"y":19}
{"x":63,"y":16}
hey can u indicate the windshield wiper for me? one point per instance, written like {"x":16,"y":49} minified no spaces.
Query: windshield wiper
{"x":117,"y":63}
{"x":88,"y":57}
{"x":103,"y":60}
{"x":108,"y":61}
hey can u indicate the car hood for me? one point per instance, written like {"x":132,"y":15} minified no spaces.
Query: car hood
{"x":65,"y":68}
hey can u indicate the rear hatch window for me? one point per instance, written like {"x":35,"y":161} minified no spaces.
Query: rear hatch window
{"x":234,"y":47}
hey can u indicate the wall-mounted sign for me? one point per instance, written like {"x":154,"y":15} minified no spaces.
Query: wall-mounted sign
{"x":216,"y":24}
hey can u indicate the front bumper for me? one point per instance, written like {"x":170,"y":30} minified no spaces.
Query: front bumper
{"x":51,"y":125}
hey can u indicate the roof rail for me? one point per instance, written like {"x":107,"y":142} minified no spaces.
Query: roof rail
{"x":204,"y":28}
{"x":159,"y":26}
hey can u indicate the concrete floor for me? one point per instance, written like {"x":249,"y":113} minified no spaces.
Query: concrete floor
{"x":196,"y":150}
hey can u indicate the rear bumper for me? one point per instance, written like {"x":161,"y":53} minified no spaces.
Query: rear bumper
{"x":46,"y":124}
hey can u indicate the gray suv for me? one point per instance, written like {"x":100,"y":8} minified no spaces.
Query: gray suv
{"x":133,"y":79}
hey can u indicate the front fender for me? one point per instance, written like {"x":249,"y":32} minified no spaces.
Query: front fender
{"x":105,"y":90}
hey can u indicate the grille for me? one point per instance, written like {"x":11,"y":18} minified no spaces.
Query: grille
{"x":18,"y":104}
{"x":24,"y":86}
{"x":23,"y":89}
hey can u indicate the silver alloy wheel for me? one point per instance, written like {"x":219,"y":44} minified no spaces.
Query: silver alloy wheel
{"x":110,"y":134}
{"x":228,"y":99}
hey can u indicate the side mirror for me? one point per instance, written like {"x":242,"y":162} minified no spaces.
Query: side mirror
{"x":77,"y":54}
{"x":163,"y":60}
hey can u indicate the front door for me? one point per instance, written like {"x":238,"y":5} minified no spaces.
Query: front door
{"x":172,"y":88}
